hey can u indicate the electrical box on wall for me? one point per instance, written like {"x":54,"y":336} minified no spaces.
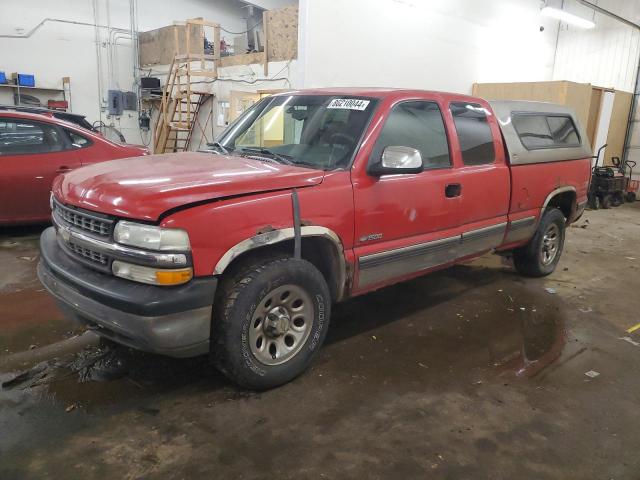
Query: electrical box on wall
{"x":116,"y":101}
{"x":130,"y":101}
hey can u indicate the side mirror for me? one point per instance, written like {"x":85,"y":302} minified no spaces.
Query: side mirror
{"x":397,"y":160}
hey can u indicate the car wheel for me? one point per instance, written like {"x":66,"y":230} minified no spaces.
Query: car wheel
{"x":542,"y":254}
{"x":269,"y":321}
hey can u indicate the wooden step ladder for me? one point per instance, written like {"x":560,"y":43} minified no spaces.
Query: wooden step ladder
{"x":181,"y":104}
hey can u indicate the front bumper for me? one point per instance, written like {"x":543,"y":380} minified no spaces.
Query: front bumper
{"x":174,"y":321}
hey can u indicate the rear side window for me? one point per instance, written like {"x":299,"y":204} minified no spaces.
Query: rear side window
{"x":474,"y":133}
{"x":419,"y":125}
{"x":19,"y":137}
{"x":79,"y":141}
{"x":537,"y":131}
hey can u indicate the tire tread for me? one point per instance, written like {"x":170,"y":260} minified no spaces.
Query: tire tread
{"x":231,"y":289}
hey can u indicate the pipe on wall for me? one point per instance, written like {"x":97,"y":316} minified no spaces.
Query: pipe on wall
{"x":59,"y":20}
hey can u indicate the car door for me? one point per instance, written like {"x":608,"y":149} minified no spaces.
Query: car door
{"x":32,"y":154}
{"x":406,"y":224}
{"x":483,"y":175}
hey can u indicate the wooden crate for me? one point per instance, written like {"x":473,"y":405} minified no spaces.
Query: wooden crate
{"x":157,"y":47}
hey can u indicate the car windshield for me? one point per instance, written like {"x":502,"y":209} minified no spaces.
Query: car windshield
{"x":318,"y":131}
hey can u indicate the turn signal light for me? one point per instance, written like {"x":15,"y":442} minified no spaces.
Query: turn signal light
{"x":174,"y":277}
{"x":150,"y":275}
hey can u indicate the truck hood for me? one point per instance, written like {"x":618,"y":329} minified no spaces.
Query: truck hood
{"x":144,"y":188}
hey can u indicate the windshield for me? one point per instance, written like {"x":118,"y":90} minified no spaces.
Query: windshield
{"x":319,"y":131}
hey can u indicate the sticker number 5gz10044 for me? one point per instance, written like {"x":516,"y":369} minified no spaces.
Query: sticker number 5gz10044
{"x":349,"y":104}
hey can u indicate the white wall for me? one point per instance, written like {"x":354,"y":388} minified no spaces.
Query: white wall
{"x":435,"y":44}
{"x":56,"y":49}
{"x":606,"y":56}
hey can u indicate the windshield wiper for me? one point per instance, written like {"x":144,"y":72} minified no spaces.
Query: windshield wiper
{"x":219,"y":146}
{"x":286,"y":159}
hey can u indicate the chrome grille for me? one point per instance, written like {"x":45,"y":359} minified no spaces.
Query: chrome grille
{"x":89,"y":254}
{"x":83,"y":220}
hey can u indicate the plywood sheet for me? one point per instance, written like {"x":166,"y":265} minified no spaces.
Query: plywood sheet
{"x":594,"y":114}
{"x":571,"y":94}
{"x":242,"y":59}
{"x":157,"y":47}
{"x":281,"y":33}
{"x":578,"y":97}
{"x":618,"y":125}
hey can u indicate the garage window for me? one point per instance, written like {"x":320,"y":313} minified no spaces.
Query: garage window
{"x":418,"y":125}
{"x":474,"y":133}
{"x":18,"y":137}
{"x":538,"y":131}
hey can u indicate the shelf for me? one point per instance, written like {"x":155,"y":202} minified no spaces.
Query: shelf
{"x":9,"y":85}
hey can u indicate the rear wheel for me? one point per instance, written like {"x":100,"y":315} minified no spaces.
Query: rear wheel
{"x":269,"y":320}
{"x":542,"y":254}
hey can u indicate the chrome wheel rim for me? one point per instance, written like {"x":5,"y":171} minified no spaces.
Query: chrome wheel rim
{"x":550,"y":244}
{"x":281,"y":325}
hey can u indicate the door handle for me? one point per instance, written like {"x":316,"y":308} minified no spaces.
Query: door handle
{"x":63,"y":169}
{"x":453,"y":190}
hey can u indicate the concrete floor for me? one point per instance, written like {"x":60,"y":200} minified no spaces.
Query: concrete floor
{"x":472,"y":372}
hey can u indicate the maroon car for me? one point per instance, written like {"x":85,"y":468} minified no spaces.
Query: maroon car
{"x":34,"y":149}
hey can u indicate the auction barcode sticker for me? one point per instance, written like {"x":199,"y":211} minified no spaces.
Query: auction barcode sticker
{"x":349,"y":103}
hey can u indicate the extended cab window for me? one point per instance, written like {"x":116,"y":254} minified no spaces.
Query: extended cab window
{"x":538,"y":131}
{"x":419,"y":125}
{"x":474,"y":133}
{"x":20,"y":137}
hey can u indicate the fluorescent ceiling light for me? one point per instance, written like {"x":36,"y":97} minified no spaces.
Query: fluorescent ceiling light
{"x":567,"y":17}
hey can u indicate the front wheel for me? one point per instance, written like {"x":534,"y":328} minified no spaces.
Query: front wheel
{"x":269,"y":320}
{"x":541,"y":255}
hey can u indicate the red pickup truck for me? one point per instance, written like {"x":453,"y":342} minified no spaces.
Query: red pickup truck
{"x":309,"y":198}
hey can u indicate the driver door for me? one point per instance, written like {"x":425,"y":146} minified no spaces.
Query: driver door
{"x":408,"y":223}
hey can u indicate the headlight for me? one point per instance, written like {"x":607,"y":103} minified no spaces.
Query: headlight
{"x":150,"y":237}
{"x":152,"y":276}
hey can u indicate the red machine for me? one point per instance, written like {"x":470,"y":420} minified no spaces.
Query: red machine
{"x":309,"y":198}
